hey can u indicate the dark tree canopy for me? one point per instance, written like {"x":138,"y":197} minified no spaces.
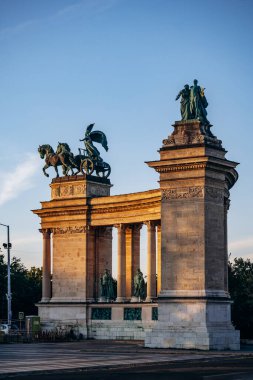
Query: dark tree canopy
{"x":25,"y":288}
{"x":241,"y":291}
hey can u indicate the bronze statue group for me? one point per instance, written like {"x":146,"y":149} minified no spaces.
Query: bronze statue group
{"x":86,"y":162}
{"x":193,"y":103}
{"x":108,"y":286}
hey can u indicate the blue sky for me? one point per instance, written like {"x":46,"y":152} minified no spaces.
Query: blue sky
{"x":120,"y":64}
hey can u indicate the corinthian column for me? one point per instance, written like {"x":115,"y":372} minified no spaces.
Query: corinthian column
{"x":46,"y":270}
{"x":121,"y":279}
{"x":132,"y":256}
{"x":151,"y":261}
{"x":159,"y":259}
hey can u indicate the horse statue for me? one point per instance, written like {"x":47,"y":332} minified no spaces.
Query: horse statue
{"x":85,"y":163}
{"x":54,"y":159}
{"x":63,"y":150}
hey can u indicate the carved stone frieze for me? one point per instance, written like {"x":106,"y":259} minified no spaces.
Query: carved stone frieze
{"x":183,"y":193}
{"x":70,"y":230}
{"x":73,"y":190}
{"x":68,"y":190}
{"x":210,"y":193}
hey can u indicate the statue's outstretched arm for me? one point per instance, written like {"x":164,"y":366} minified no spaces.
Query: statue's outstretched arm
{"x":178,"y":96}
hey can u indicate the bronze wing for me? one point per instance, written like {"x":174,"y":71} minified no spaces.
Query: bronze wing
{"x":99,"y":137}
{"x":89,"y":129}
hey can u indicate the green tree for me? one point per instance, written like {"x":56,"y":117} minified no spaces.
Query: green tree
{"x":25,"y":288}
{"x":241,"y":290}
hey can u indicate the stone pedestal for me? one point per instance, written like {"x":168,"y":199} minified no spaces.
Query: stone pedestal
{"x":79,"y":186}
{"x":193,"y":303}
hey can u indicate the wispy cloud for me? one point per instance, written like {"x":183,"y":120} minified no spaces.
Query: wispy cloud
{"x":19,"y":180}
{"x":17,"y":28}
{"x":242,"y":244}
{"x":84,"y":7}
{"x":89,"y":6}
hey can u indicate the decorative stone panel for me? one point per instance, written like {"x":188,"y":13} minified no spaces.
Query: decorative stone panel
{"x":132,"y":313}
{"x":154,"y":313}
{"x":103,"y":313}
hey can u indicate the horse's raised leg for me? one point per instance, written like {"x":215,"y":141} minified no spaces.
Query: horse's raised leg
{"x":72,"y":171}
{"x":44,"y":170}
{"x":56,"y":169}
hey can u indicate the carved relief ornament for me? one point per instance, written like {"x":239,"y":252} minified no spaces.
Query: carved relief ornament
{"x":70,"y":230}
{"x":211,"y":193}
{"x":63,"y":191}
{"x":184,"y":193}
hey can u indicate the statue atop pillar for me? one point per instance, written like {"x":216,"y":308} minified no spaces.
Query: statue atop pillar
{"x":193,"y":103}
{"x":194,"y":127}
{"x":86,"y":162}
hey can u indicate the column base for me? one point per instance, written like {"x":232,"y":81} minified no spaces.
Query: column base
{"x":45,"y":299}
{"x":68,"y":315}
{"x":121,"y":299}
{"x":194,"y":324}
{"x":135,"y":299}
{"x":103,"y":299}
{"x":198,"y":338}
{"x":149,"y":299}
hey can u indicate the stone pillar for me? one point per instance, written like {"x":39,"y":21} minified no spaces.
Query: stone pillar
{"x":46,"y":274}
{"x":90,"y":263}
{"x":193,"y":304}
{"x":151,"y":261}
{"x":132,"y":256}
{"x":121,"y":278}
{"x":159,"y":259}
{"x":103,"y":255}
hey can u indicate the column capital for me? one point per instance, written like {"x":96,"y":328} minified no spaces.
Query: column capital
{"x":46,"y":232}
{"x":121,"y":227}
{"x":134,"y":227}
{"x":151,"y":224}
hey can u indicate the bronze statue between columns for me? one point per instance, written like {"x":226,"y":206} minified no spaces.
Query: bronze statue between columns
{"x":108,"y":287}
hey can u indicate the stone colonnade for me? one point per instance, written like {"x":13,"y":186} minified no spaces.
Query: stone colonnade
{"x":99,"y":255}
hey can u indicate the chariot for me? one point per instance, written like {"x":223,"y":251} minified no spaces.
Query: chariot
{"x":90,"y":164}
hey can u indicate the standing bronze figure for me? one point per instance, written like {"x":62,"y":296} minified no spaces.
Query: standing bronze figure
{"x":198,"y":103}
{"x":139,"y":285}
{"x":193,"y":103}
{"x":102,"y":168}
{"x":185,"y":102}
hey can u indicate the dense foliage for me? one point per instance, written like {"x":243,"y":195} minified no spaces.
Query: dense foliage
{"x":25,"y":288}
{"x":241,"y":290}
